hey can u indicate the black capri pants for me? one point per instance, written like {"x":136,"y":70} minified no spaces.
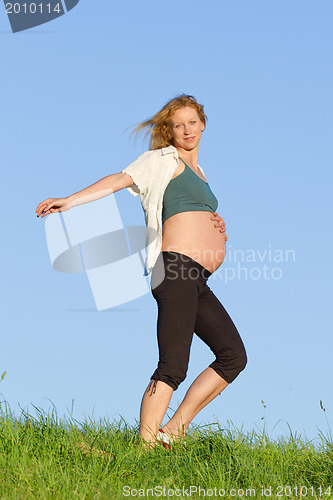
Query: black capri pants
{"x":186,"y":305}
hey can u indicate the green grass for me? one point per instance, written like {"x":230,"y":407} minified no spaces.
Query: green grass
{"x":40,"y":458}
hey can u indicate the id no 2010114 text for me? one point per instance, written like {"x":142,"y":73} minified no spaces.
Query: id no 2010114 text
{"x":298,"y":491}
{"x":32,"y":8}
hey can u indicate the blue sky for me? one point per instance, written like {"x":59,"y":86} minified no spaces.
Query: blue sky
{"x":70,"y":91}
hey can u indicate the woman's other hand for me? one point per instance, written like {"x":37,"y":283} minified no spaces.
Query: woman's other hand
{"x":51,"y":205}
{"x":220,"y":224}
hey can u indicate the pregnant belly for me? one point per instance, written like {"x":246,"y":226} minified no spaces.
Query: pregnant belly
{"x":194,"y":234}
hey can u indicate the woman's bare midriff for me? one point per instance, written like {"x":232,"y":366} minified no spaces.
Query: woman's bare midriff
{"x":194,"y":234}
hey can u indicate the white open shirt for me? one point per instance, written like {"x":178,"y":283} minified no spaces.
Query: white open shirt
{"x":151,"y":173}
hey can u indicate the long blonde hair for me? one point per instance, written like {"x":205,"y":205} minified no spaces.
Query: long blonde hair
{"x":158,"y":125}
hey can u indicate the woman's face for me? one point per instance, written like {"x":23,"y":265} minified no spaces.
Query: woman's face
{"x":185,"y":128}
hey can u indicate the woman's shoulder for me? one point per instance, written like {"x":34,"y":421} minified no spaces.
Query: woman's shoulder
{"x":168,"y":150}
{"x":154,"y":155}
{"x":160,"y":152}
{"x":151,"y":158}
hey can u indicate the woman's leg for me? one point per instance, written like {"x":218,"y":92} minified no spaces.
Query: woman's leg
{"x":215,"y":327}
{"x":202,"y":391}
{"x":177,"y":300}
{"x":154,"y":405}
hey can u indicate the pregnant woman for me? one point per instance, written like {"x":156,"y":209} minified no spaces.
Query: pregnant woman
{"x":186,"y":243}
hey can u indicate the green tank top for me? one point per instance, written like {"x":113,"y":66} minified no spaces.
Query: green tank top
{"x":187,"y":193}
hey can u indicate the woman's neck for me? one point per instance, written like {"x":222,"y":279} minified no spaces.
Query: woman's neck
{"x":190,"y":157}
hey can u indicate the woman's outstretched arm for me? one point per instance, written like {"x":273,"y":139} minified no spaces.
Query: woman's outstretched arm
{"x":105,"y":186}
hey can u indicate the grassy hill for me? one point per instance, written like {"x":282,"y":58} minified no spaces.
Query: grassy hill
{"x":44,"y":457}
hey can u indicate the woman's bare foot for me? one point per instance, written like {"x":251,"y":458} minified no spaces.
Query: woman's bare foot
{"x":145,"y":445}
{"x":149,"y":445}
{"x":85,"y":448}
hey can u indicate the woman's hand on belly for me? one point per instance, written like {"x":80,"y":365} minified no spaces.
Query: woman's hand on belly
{"x":220,"y":224}
{"x":194,"y":234}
